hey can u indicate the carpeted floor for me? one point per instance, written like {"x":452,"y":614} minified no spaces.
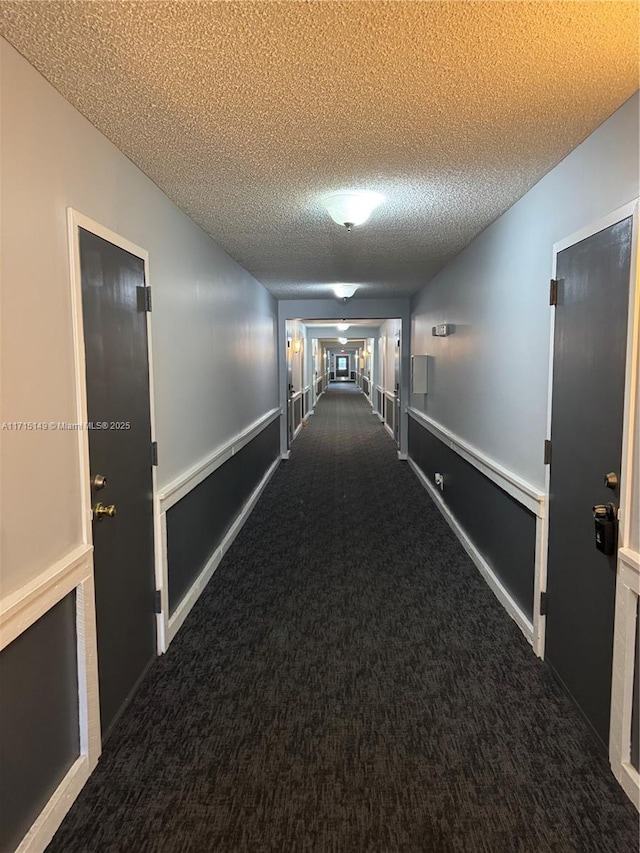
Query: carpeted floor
{"x":347,"y":682}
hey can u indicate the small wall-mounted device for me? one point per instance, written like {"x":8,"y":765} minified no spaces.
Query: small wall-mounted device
{"x":419,"y":374}
{"x":441,"y":331}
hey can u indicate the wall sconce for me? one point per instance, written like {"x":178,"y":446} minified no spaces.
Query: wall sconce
{"x":351,"y":208}
{"x":297,"y":346}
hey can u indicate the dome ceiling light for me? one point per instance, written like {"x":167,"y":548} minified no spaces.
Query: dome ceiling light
{"x":344,"y":291}
{"x":351,"y":208}
{"x":342,"y":327}
{"x":343,"y":340}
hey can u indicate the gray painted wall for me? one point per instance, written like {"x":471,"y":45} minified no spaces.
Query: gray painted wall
{"x":488,"y":381}
{"x":214,"y":326}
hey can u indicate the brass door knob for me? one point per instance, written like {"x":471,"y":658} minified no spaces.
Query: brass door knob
{"x":100,"y":511}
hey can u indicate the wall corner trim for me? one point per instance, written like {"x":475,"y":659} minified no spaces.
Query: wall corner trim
{"x":525,"y":493}
{"x":179,"y":487}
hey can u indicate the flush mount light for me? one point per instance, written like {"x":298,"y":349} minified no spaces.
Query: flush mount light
{"x":343,"y":340}
{"x":342,"y":327}
{"x":351,"y":208}
{"x":344,"y":291}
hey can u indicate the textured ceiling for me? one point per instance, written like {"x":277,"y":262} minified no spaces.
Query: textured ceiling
{"x":245,"y":112}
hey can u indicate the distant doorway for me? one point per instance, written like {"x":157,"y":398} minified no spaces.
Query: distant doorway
{"x":342,"y":367}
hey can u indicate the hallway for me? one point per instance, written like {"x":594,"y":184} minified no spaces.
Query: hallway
{"x":348,"y":682}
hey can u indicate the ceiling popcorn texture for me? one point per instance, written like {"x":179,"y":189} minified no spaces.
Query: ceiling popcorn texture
{"x":244,"y":113}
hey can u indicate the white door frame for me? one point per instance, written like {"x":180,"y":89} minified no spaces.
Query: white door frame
{"x":619,"y":742}
{"x":77,"y":220}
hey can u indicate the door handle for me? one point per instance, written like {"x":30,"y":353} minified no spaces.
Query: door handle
{"x":100,"y":511}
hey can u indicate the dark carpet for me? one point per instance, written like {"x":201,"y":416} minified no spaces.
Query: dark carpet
{"x":347,"y":682}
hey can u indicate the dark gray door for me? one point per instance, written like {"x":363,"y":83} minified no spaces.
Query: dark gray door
{"x":115,"y":334}
{"x":586,"y":443}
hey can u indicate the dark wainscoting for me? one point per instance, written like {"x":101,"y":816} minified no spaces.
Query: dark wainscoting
{"x":197,"y":524}
{"x":39,"y":711}
{"x":635,"y":721}
{"x":502,"y":530}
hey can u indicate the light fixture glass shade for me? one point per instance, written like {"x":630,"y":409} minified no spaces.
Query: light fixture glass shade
{"x":342,"y":327}
{"x":344,"y":291}
{"x":351,"y":208}
{"x":343,"y":340}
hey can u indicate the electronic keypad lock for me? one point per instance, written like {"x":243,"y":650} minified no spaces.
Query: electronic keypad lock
{"x":605,"y":517}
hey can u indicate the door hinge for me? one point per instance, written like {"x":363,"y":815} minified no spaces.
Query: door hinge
{"x":147,"y":299}
{"x":553,"y":292}
{"x":154,"y":452}
{"x":543,"y":603}
{"x":157,"y":599}
{"x":547,"y":452}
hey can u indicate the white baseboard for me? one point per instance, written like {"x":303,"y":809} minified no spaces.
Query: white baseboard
{"x":389,"y":430}
{"x":402,"y":456}
{"x":285,"y":454}
{"x":184,"y":608}
{"x":629,"y":780}
{"x":52,"y":815}
{"x":496,"y":586}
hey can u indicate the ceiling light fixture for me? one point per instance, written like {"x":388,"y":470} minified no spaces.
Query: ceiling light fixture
{"x":344,"y":291}
{"x":342,"y":327}
{"x":351,"y":208}
{"x":343,"y":340}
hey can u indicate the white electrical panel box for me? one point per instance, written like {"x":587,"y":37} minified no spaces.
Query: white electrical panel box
{"x":419,"y":374}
